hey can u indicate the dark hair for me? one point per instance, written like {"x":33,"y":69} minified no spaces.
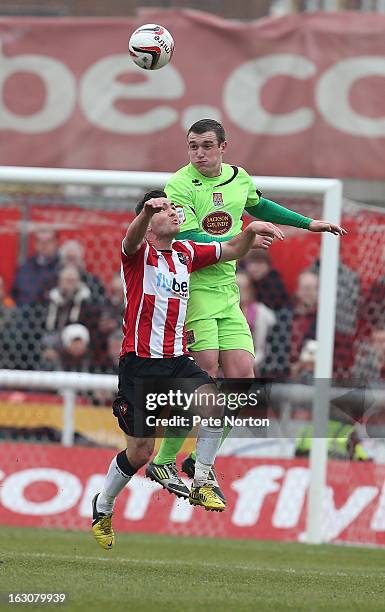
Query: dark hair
{"x":258,"y":255}
{"x":155,"y":193}
{"x":209,"y":125}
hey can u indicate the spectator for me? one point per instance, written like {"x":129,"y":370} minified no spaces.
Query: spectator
{"x":110,"y":362}
{"x":70,"y":302}
{"x":71,"y":253}
{"x":348,"y":293}
{"x":303,"y":370}
{"x":38,"y":271}
{"x":268,"y":284}
{"x":372,"y":311}
{"x":304,"y":313}
{"x":294,"y":325}
{"x":110,"y":320}
{"x":112,"y":310}
{"x":71,"y":352}
{"x":259,"y":317}
{"x":344,"y":441}
{"x":369,"y":364}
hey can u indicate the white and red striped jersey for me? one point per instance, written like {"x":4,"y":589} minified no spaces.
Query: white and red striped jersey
{"x":156,"y":288}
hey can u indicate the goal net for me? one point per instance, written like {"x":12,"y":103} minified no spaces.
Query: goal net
{"x":61,"y":233}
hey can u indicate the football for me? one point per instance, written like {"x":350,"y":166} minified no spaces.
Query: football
{"x":151,"y":46}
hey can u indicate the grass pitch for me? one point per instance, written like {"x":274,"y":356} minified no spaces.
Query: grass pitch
{"x":157,"y":573}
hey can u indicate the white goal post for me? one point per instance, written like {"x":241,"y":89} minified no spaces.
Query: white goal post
{"x":330,"y":190}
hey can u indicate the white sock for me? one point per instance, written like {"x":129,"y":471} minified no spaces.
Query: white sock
{"x":207,"y":446}
{"x":114,"y":482}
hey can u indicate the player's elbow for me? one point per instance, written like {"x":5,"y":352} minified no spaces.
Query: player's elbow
{"x":129,"y":247}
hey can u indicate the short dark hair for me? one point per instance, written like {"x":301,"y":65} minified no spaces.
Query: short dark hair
{"x":155,"y":193}
{"x":209,"y":125}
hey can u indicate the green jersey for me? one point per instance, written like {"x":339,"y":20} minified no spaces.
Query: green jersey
{"x":212,"y":207}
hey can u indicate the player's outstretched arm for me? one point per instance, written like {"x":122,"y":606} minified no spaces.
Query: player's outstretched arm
{"x":238,"y":246}
{"x":273,"y":212}
{"x":137,"y":229}
{"x":325,"y":226}
{"x":276,"y":213}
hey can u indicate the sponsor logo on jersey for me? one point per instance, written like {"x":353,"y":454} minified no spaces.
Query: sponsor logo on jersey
{"x":180,"y":212}
{"x":217,"y":223}
{"x":168,"y":282}
{"x":184,"y":259}
{"x":218,"y":200}
{"x":197,"y":182}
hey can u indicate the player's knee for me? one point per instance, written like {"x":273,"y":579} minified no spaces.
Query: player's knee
{"x":208,"y":362}
{"x":240,"y":370}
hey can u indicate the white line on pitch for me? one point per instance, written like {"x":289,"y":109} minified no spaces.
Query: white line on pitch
{"x":208,"y":564}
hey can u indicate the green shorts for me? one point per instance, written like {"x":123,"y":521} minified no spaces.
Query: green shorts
{"x":215,"y":320}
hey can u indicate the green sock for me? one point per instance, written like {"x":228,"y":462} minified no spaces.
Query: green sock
{"x":226,"y":431}
{"x":170,"y":445}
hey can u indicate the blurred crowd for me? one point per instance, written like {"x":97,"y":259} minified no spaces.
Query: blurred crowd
{"x":60,"y":316}
{"x":284,"y":326}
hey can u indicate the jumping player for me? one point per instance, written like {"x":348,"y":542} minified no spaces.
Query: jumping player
{"x":211,"y":197}
{"x":156,"y":270}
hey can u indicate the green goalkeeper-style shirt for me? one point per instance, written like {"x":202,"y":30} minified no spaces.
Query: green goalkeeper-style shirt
{"x":212,"y":208}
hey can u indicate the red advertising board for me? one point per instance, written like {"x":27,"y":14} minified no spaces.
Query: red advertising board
{"x":47,"y":486}
{"x":300,"y":95}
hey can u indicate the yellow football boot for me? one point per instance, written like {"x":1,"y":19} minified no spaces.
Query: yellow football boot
{"x":206,"y":496}
{"x":102,"y":527}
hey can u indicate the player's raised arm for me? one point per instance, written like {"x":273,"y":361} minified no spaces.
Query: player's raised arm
{"x":238,"y":246}
{"x":137,"y":229}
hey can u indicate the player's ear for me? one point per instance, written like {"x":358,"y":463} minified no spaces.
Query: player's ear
{"x":223,"y":146}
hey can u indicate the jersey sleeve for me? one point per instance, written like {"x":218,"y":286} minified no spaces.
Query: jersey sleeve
{"x":253,"y":195}
{"x":130,"y":260}
{"x":178,"y":191}
{"x":205,"y":254}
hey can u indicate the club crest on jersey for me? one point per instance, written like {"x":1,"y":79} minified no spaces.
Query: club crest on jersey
{"x":184,"y":259}
{"x":218,"y":200}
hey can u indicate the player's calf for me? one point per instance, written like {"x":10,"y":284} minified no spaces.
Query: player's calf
{"x":122,"y":468}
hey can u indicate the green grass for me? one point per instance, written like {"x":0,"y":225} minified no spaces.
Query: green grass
{"x":157,"y":573}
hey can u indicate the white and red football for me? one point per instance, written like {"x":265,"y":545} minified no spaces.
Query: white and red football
{"x":151,"y":46}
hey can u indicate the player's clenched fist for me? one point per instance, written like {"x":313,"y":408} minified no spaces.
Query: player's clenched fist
{"x":155,"y":205}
